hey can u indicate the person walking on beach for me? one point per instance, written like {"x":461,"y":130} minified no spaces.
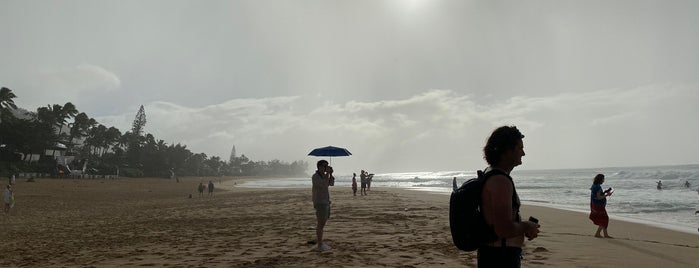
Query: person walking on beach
{"x":500,"y":203}
{"x":354,"y":184}
{"x":322,"y":179}
{"x":211,"y":188}
{"x":8,"y":197}
{"x":200,"y":188}
{"x":598,"y":203}
{"x":454,"y":186}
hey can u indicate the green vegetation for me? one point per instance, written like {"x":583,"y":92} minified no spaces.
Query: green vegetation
{"x":61,"y":130}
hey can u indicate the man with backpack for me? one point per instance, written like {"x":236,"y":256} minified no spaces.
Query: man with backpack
{"x":499,"y":201}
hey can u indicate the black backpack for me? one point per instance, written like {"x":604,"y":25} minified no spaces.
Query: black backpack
{"x":468,"y":227}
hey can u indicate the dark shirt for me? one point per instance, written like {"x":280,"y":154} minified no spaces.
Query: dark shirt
{"x":596,"y":188}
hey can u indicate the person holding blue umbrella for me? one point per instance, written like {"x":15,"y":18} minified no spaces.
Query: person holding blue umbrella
{"x":322,"y":179}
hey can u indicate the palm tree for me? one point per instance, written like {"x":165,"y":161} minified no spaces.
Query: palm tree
{"x":63,"y":113}
{"x":111,"y":138}
{"x":58,"y":115}
{"x":96,"y":139}
{"x":47,"y":120}
{"x":6,"y":101}
{"x":81,"y":124}
{"x":6,"y":97}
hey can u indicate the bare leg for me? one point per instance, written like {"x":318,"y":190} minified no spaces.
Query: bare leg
{"x":606,"y":235}
{"x":319,"y":232}
{"x":599,"y":229}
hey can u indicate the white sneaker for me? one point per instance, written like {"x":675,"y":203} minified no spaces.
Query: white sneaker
{"x":324,"y":247}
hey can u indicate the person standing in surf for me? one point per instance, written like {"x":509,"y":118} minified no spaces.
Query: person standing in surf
{"x":598,"y":203}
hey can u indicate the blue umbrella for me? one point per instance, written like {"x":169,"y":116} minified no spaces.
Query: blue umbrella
{"x":330,"y":151}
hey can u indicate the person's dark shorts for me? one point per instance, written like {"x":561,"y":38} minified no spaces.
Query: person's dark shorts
{"x":504,"y":257}
{"x":322,"y":211}
{"x":363,"y":185}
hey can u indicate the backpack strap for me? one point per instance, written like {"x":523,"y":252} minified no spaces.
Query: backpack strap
{"x":515,"y":197}
{"x":516,"y":204}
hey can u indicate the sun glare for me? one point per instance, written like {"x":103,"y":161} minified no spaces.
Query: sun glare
{"x":412,"y":5}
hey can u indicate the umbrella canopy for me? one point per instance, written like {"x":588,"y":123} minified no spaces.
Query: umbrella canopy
{"x":330,"y":151}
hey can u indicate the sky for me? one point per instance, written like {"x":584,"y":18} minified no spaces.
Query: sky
{"x":414,"y":85}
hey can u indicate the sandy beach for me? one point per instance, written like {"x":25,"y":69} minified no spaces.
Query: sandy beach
{"x":153,"y":222}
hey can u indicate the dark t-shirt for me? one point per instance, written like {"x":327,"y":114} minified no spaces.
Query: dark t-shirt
{"x":596,"y":188}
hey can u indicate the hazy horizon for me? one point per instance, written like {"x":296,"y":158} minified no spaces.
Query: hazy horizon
{"x":404,"y":85}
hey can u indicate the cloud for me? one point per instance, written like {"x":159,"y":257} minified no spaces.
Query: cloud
{"x":437,"y":129}
{"x":78,"y":84}
{"x":84,"y":78}
{"x":614,"y":119}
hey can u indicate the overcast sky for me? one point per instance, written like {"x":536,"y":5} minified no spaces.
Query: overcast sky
{"x":404,"y":85}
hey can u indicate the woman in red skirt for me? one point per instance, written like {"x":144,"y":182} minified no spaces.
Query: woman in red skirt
{"x":598,"y":202}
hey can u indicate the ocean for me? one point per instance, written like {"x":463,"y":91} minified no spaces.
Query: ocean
{"x":635,"y":197}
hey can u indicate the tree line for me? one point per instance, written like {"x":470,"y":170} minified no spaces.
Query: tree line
{"x":40,"y":141}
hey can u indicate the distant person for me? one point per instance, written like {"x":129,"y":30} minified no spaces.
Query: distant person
{"x":211,"y":188}
{"x":362,"y":180}
{"x":354,"y":184}
{"x":12,"y":179}
{"x":503,"y":152}
{"x":598,"y":203}
{"x":8,"y":197}
{"x":369,"y":178}
{"x":454,"y":184}
{"x":660,"y":185}
{"x":201,"y":189}
{"x":322,"y":179}
{"x":687,"y":184}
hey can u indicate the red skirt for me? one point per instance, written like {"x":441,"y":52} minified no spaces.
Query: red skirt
{"x":598,"y":215}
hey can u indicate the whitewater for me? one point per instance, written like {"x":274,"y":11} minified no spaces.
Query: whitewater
{"x":635,"y":198}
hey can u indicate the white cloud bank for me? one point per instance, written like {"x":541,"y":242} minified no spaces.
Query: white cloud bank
{"x":65,"y":84}
{"x":441,"y":129}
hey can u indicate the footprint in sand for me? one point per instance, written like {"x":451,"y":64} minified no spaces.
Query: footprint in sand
{"x":541,"y":249}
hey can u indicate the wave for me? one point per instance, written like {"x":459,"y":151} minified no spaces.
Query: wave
{"x":635,"y":196}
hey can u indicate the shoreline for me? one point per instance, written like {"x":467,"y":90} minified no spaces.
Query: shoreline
{"x":662,"y":225}
{"x":666,"y":226}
